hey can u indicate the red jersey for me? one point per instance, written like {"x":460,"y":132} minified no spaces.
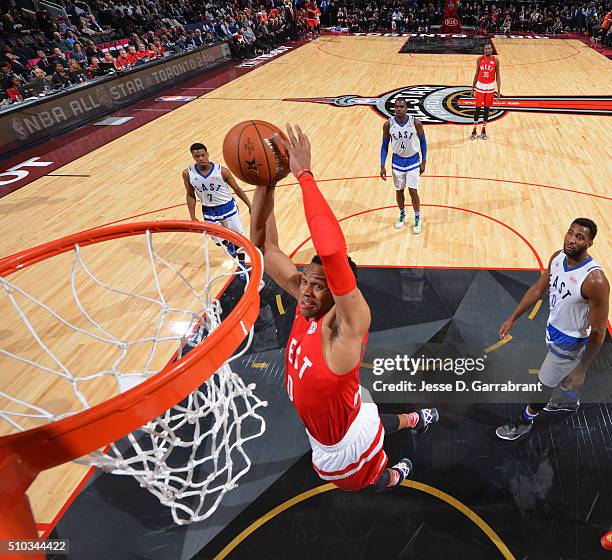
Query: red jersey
{"x":486,"y":73}
{"x":345,"y":434}
{"x":326,"y":402}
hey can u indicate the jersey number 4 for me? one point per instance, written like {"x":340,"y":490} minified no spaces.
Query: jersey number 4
{"x":402,"y":142}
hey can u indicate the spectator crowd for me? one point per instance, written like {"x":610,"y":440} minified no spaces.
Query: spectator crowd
{"x":504,"y":16}
{"x":40,"y":54}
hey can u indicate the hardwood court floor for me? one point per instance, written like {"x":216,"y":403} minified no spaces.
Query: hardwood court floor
{"x":501,"y":203}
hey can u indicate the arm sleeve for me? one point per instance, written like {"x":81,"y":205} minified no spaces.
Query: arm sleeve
{"x":423,"y":142}
{"x":327,"y":238}
{"x":384,"y":148}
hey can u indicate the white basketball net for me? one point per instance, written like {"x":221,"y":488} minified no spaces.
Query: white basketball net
{"x":193,"y":454}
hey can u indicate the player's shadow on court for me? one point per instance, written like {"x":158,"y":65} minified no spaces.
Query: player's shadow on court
{"x":434,"y":146}
{"x":354,"y":245}
{"x":14,"y":206}
{"x":533,"y":151}
{"x":499,"y":204}
{"x":343,"y":208}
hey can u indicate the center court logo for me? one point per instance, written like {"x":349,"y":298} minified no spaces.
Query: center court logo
{"x":455,"y":105}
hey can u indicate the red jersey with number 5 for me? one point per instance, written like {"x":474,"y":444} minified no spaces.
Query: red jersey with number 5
{"x":326,"y":402}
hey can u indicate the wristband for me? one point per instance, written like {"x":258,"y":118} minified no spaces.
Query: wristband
{"x":303,"y":172}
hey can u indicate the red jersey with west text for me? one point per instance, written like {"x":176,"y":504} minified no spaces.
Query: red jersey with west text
{"x":486,"y":74}
{"x":346,"y":434}
{"x":326,"y":402}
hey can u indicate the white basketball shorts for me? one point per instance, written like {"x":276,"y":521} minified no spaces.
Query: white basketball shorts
{"x":403,"y":179}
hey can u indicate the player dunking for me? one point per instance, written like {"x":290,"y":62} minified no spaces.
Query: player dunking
{"x":579,"y":295}
{"x":211,"y":182}
{"x":483,"y":87}
{"x":406,"y":135}
{"x":327,"y":341}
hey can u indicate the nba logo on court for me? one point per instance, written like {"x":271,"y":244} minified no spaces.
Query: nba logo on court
{"x":455,"y":105}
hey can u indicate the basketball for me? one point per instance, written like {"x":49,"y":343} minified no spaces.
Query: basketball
{"x":253,"y":156}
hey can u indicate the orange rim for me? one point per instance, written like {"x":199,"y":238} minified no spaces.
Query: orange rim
{"x":67,"y":439}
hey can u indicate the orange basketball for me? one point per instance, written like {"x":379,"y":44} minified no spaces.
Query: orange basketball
{"x":252,"y":154}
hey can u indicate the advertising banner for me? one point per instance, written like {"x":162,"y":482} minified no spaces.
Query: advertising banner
{"x":37,"y":119}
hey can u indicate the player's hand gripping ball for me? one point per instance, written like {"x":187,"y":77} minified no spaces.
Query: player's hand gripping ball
{"x":252,"y":154}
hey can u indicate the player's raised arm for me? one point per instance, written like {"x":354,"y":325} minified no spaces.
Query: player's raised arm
{"x":190,"y":195}
{"x":229,"y":179}
{"x":352,"y":311}
{"x":384,"y":149}
{"x":264,"y":235}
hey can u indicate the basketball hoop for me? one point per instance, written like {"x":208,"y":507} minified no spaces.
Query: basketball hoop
{"x":222,"y":402}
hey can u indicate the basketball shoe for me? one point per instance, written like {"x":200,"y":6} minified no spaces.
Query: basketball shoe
{"x":404,"y":468}
{"x":242,"y":273}
{"x":230,"y":248}
{"x":473,"y":135}
{"x":514,"y":430}
{"x":418,"y":227}
{"x":427,"y":416}
{"x":560,"y":405}
{"x":400,"y":222}
{"x":399,"y":472}
{"x":556,"y":406}
{"x":483,"y":133}
{"x":568,"y":401}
